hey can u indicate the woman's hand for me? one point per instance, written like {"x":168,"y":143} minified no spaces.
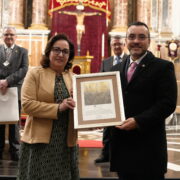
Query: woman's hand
{"x":68,"y":103}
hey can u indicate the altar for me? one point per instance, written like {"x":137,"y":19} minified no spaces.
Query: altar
{"x":82,"y":64}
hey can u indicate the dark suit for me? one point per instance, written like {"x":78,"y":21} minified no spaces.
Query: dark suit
{"x":105,"y":67}
{"x":108,"y":63}
{"x":149,"y":97}
{"x":14,"y":74}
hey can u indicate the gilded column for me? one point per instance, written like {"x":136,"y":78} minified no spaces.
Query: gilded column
{"x":144,"y":9}
{"x":15,"y":11}
{"x":39,"y":14}
{"x":120,"y":15}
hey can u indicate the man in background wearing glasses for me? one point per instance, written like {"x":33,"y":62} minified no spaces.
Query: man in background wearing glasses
{"x":138,"y":145}
{"x":117,"y":46}
{"x":13,"y":68}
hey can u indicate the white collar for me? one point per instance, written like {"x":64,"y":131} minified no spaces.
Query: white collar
{"x":12,"y":47}
{"x":122,"y":54}
{"x":138,"y":60}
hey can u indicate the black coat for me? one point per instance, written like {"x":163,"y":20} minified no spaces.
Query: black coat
{"x":150,"y":97}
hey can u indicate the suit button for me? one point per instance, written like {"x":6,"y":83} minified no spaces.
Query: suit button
{"x":126,"y":92}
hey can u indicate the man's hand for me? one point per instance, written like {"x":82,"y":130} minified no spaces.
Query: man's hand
{"x":3,"y":86}
{"x":128,"y":124}
{"x":3,"y":83}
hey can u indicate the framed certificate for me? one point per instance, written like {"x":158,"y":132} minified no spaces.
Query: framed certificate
{"x":99,"y":101}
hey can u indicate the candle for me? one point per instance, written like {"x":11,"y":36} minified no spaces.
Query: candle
{"x":103,"y":45}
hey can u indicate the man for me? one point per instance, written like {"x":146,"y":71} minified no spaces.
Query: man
{"x":138,"y":145}
{"x":117,"y":46}
{"x":13,"y":68}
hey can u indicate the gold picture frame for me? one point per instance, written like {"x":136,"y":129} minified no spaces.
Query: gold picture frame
{"x":99,"y":101}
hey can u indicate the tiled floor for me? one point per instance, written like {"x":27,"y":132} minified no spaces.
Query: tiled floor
{"x":88,"y":155}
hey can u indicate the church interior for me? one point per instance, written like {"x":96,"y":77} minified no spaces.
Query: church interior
{"x":37,"y":20}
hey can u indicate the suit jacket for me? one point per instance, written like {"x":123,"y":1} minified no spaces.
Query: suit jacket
{"x":38,"y":102}
{"x":149,"y":97}
{"x":16,"y":71}
{"x":107,"y":64}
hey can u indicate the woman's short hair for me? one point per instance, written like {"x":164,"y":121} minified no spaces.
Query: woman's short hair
{"x":45,"y":62}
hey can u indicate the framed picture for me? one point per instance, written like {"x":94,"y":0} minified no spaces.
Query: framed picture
{"x":99,"y":101}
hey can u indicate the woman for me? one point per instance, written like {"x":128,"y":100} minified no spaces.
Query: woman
{"x":49,"y":149}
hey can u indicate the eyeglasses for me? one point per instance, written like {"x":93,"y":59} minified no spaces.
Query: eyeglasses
{"x":9,"y":34}
{"x":117,"y":44}
{"x":57,"y":51}
{"x":140,"y":37}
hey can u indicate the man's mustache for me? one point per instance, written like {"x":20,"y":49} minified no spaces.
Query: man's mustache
{"x":136,"y":45}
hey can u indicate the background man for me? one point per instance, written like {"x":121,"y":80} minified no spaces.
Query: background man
{"x":117,"y":45}
{"x":13,"y":68}
{"x":138,"y":146}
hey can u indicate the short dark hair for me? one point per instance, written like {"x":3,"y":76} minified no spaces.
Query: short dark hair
{"x":138,"y":23}
{"x":45,"y":62}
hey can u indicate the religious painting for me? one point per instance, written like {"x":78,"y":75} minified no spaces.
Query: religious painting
{"x":99,"y":101}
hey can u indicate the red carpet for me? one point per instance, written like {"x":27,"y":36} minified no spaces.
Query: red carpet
{"x":90,"y":143}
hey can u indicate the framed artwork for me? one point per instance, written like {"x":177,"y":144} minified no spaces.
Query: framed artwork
{"x":99,"y":101}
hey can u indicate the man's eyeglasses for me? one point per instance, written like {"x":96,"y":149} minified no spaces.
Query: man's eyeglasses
{"x":9,"y":34}
{"x":117,"y":44}
{"x":57,"y":51}
{"x":140,"y":37}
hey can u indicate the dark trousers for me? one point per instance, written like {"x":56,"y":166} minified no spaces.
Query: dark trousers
{"x":106,"y":142}
{"x":13,"y":136}
{"x":134,"y":176}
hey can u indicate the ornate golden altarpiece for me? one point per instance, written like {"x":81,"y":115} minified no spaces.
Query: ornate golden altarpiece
{"x":82,"y":64}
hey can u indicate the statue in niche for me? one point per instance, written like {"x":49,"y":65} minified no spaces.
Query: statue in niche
{"x":80,"y":27}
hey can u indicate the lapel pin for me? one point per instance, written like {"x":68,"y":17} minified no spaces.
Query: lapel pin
{"x":143,"y":65}
{"x":6,"y":63}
